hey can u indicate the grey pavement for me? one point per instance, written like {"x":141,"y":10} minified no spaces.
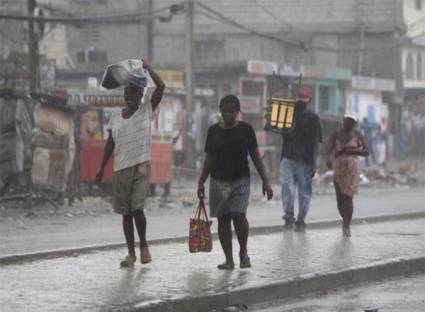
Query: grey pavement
{"x":404,"y":293}
{"x":100,"y":226}
{"x":94,"y":282}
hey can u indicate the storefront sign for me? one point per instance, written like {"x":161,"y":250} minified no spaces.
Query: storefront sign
{"x":336,"y":73}
{"x":96,"y":99}
{"x":173,"y":79}
{"x":250,"y":104}
{"x":292,"y":70}
{"x":311,"y":71}
{"x":261,"y":67}
{"x":373,"y":84}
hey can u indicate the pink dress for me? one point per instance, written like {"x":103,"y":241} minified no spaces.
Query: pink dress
{"x":345,"y":167}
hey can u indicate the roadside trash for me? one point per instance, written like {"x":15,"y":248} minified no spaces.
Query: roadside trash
{"x":325,"y":177}
{"x":235,"y":308}
{"x":364,"y":179}
{"x":124,"y":73}
{"x":371,"y":309}
{"x":30,"y":215}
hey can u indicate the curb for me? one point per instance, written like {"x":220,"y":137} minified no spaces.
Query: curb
{"x":303,"y":284}
{"x":261,"y":230}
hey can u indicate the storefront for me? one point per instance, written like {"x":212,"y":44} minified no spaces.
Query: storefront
{"x":366,"y":98}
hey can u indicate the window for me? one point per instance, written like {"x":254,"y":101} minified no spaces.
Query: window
{"x":92,"y":55}
{"x":419,"y":74}
{"x":81,"y":57}
{"x":225,"y":88}
{"x":252,"y":88}
{"x":209,"y":49}
{"x":418,"y":5}
{"x":85,"y":35}
{"x":97,"y":56}
{"x":409,"y":67}
{"x":95,"y":33}
{"x":324,"y":99}
{"x":90,"y":34}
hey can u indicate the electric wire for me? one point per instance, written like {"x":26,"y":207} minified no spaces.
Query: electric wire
{"x":300,"y":44}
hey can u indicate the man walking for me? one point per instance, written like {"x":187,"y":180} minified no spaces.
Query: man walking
{"x":297,"y":166}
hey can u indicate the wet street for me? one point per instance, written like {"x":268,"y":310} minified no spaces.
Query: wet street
{"x":94,"y":281}
{"x":97,"y":225}
{"x":394,"y":295}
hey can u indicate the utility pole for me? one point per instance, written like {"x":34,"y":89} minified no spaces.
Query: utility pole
{"x":190,"y":107}
{"x":32,"y":49}
{"x":361,"y":52}
{"x":149,"y":32}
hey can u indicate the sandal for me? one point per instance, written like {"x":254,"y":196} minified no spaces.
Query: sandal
{"x":128,"y":261}
{"x":245,"y":262}
{"x":145,"y":256}
{"x":226,"y":266}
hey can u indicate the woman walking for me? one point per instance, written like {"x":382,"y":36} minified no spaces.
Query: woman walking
{"x":129,"y":139}
{"x":227,"y":147}
{"x":346,"y":144}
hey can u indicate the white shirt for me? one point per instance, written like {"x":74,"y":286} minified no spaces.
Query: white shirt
{"x":132,"y":136}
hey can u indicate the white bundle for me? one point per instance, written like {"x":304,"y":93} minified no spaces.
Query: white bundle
{"x":126,"y":73}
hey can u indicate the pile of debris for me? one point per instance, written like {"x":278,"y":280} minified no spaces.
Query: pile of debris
{"x":37,"y":149}
{"x":409,"y":173}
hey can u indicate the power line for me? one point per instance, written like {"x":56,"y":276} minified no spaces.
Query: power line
{"x":266,"y":10}
{"x":231,"y":22}
{"x":125,"y":18}
{"x":299,"y":44}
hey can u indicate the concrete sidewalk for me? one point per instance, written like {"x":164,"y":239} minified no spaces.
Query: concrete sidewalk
{"x":39,"y":234}
{"x":284,"y":264}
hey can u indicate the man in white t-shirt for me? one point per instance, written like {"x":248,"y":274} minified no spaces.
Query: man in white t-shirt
{"x":129,"y":138}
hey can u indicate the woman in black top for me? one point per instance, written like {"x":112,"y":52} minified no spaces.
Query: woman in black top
{"x":227,"y":147}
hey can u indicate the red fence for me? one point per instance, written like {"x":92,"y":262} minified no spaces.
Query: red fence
{"x":92,"y":152}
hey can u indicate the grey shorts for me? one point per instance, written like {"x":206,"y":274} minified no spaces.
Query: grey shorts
{"x":130,"y":188}
{"x":227,"y":197}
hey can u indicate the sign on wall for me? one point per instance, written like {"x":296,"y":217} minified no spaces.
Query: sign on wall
{"x":250,"y":104}
{"x":262,"y":67}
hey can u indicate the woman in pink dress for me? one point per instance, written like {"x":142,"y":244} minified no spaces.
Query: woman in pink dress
{"x":345,"y":145}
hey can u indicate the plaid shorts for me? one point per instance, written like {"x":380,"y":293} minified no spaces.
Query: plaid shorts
{"x":130,"y":188}
{"x":227,"y":197}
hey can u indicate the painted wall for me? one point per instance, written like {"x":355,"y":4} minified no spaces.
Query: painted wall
{"x":414,"y":16}
{"x":369,"y":105}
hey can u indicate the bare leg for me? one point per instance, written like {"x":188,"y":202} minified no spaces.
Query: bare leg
{"x":225,"y":235}
{"x":140,"y":220}
{"x":348,"y":210}
{"x":339,"y":200}
{"x":128,"y":228}
{"x":345,"y":208}
{"x":241,"y":225}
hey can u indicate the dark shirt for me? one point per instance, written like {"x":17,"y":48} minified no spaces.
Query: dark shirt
{"x":300,"y":144}
{"x":229,"y":150}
